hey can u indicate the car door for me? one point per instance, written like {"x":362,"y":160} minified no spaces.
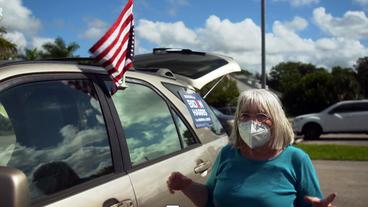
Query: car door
{"x":159,"y":141}
{"x":361,"y":116}
{"x":343,"y":118}
{"x":55,"y":128}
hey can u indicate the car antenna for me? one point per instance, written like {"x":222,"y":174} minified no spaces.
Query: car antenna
{"x":209,"y":91}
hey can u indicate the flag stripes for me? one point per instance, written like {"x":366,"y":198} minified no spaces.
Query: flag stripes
{"x":115,"y":50}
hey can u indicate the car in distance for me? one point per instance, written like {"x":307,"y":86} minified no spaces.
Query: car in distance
{"x":343,"y":117}
{"x":77,"y":145}
{"x":227,"y":121}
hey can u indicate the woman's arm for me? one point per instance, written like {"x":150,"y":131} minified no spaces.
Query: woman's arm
{"x":196,"y":192}
{"x":199,"y":194}
{"x":311,"y":194}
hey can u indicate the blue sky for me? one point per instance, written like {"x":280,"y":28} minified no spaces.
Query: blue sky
{"x":322,"y":32}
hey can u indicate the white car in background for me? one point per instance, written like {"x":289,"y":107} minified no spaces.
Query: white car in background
{"x":342,"y":117}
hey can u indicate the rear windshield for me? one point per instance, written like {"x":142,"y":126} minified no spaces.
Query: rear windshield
{"x":189,"y":65}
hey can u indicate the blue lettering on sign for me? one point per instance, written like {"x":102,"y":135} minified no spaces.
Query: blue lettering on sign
{"x":197,"y":109}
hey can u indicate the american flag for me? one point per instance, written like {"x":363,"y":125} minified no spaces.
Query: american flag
{"x":115,"y":50}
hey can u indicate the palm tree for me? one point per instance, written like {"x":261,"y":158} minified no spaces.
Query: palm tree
{"x":58,"y":49}
{"x":7,"y":49}
{"x":31,"y":54}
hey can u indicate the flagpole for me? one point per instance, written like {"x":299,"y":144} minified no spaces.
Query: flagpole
{"x":263,"y":44}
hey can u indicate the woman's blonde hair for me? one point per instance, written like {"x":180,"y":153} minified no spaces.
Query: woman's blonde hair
{"x":268,"y":103}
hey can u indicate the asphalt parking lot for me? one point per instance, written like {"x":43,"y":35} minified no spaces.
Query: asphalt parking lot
{"x":349,"y":179}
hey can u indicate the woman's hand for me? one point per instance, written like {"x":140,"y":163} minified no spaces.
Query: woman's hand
{"x":177,"y":181}
{"x":317,"y":202}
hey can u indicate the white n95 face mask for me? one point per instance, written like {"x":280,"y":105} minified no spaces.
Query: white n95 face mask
{"x":254,"y":134}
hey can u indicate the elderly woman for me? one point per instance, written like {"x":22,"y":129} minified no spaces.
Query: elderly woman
{"x":258,"y":167}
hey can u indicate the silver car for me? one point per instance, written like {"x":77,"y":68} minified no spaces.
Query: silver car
{"x":348,"y":116}
{"x":65,"y":141}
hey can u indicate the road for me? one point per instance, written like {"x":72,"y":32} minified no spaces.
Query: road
{"x":349,"y":139}
{"x":349,"y":179}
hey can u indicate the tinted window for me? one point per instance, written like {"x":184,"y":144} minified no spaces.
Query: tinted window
{"x":362,"y":106}
{"x":185,"y":134}
{"x":51,"y":131}
{"x":351,"y":107}
{"x":345,"y":108}
{"x":174,"y":89}
{"x":216,"y":126}
{"x":148,"y":125}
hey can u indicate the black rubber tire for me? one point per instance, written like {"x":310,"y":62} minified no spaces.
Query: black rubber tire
{"x":312,"y":131}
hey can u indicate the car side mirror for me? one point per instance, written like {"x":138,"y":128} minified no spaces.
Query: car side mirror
{"x":14,"y":190}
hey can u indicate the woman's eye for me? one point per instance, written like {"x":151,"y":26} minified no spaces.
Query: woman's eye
{"x":245,"y":116}
{"x":262,"y":117}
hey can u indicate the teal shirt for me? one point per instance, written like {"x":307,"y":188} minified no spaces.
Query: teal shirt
{"x":280,"y":182}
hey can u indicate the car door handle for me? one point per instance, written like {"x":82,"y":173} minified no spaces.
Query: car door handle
{"x":202,"y":167}
{"x":113,"y":202}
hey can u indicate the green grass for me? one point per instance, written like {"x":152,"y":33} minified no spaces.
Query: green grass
{"x":335,"y":152}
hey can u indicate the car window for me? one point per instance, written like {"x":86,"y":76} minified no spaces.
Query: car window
{"x":174,"y":89}
{"x":50,"y":130}
{"x":7,"y":137}
{"x":216,"y":126}
{"x":184,"y":132}
{"x":189,"y":65}
{"x":148,"y":124}
{"x":351,"y":107}
{"x":344,"y":108}
{"x":362,"y":106}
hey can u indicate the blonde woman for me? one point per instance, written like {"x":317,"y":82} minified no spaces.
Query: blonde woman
{"x":258,"y":167}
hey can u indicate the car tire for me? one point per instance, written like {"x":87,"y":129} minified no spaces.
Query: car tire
{"x":312,"y":131}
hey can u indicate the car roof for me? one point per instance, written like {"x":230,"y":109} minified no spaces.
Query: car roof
{"x":352,"y":101}
{"x":14,"y":68}
{"x":192,"y":69}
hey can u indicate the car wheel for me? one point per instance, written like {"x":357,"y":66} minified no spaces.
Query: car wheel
{"x":312,"y":131}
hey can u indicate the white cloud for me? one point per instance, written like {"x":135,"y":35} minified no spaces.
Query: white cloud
{"x":76,"y":149}
{"x":168,"y":143}
{"x":353,"y":25}
{"x":297,"y":24}
{"x":297,"y":3}
{"x":21,"y":25}
{"x":17,"y":38}
{"x":169,"y":34}
{"x":223,"y":35}
{"x":16,"y":17}
{"x":96,"y":28}
{"x":37,"y":42}
{"x":138,"y":49}
{"x":242,"y":41}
